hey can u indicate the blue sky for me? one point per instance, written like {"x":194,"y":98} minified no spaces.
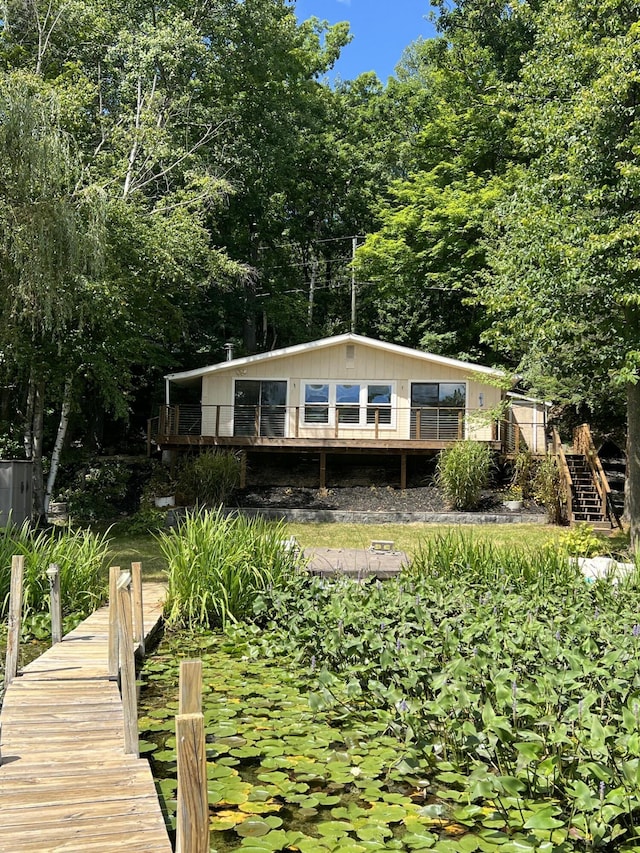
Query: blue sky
{"x":381,"y":31}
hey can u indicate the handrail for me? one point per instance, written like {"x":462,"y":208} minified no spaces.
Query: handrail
{"x":565,"y":473}
{"x":583,"y":444}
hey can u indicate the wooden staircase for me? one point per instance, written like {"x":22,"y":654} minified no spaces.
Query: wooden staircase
{"x":587,"y":490}
{"x":586,"y":504}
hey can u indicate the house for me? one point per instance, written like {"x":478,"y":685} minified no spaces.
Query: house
{"x":342,"y":394}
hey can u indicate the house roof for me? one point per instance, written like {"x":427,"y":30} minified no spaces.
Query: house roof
{"x":187,"y":376}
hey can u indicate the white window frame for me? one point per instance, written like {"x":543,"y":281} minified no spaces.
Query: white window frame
{"x":363,"y":403}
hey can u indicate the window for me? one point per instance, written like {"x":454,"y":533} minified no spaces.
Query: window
{"x":316,"y":404}
{"x":348,"y":403}
{"x":379,"y":400}
{"x":259,"y":407}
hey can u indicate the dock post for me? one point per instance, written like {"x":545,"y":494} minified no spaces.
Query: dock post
{"x":192,"y":829}
{"x":55,"y":604}
{"x":190,"y":699}
{"x":13,"y":623}
{"x":138,"y":609}
{"x":112,"y":652}
{"x":127,"y":665}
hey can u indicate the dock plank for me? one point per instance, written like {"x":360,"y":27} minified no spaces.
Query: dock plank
{"x":66,"y":785}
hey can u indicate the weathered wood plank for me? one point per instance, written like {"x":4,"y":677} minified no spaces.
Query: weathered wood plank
{"x":66,"y":785}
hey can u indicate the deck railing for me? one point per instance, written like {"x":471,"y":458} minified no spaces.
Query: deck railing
{"x":335,"y":421}
{"x":583,"y":444}
{"x":565,"y":474}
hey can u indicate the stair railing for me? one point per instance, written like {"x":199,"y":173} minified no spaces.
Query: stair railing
{"x":583,"y":444}
{"x":565,"y":474}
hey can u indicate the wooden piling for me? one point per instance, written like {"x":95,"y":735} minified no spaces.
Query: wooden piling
{"x":13,"y":623}
{"x":190,"y":699}
{"x":127,"y":665}
{"x":112,"y":651}
{"x":192,"y":830}
{"x":138,"y":609}
{"x":55,"y":603}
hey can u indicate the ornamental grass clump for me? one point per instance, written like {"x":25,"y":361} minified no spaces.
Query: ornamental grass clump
{"x":80,"y":555}
{"x":463,"y":472}
{"x":218,"y":564}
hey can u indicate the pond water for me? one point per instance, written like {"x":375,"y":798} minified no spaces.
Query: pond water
{"x":281,"y":775}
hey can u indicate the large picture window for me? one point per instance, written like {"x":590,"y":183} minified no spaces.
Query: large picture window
{"x":350,"y":403}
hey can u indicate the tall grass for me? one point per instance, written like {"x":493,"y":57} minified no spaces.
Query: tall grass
{"x":458,"y":556}
{"x":463,"y":472}
{"x":217,"y":564}
{"x":80,"y":555}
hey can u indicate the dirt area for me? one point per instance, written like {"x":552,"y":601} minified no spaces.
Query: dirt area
{"x":362,"y":499}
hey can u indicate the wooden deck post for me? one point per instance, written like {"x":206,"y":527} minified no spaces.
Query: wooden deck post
{"x":113,"y":649}
{"x":192,"y":816}
{"x":403,"y":471}
{"x":256,"y":425}
{"x":243,"y":469}
{"x":217,"y":432}
{"x":296,"y":429}
{"x":13,"y":623}
{"x":377,"y":422}
{"x":323,"y":469}
{"x":55,"y":604}
{"x":190,"y":697}
{"x":418,"y":426}
{"x":460,"y":426}
{"x":138,"y":609}
{"x":127,"y":666}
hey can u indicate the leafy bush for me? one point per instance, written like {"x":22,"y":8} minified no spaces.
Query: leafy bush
{"x":80,"y":554}
{"x":524,"y":470}
{"x":581,"y":541}
{"x":209,"y":479}
{"x":463,"y":471}
{"x":217,"y":564}
{"x":547,"y":489}
{"x":98,"y":490}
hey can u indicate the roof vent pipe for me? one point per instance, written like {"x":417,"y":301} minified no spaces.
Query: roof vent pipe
{"x":229,"y":350}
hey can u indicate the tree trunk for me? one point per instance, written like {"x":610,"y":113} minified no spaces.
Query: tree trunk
{"x":59,"y":443}
{"x":632,"y":491}
{"x":36,"y":456}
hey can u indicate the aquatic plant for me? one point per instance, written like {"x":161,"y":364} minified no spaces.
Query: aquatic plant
{"x":218,"y":563}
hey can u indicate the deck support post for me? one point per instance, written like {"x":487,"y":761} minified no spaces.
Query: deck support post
{"x":243,"y":469}
{"x":403,"y":471}
{"x":13,"y":623}
{"x":323,"y":469}
{"x":55,"y":604}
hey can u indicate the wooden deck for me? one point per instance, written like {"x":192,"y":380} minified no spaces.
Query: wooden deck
{"x":65,"y":782}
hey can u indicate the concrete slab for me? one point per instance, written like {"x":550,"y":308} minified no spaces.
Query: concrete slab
{"x":602,"y":567}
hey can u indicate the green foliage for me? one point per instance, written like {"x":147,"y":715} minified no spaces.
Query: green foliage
{"x":209,"y":479}
{"x":524,"y":469}
{"x":217,"y":564}
{"x":548,"y":490}
{"x":80,"y":555}
{"x":463,"y":471}
{"x":581,"y":541}
{"x":485,"y":700}
{"x":98,"y":491}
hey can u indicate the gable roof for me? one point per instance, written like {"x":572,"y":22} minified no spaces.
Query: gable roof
{"x":349,"y":338}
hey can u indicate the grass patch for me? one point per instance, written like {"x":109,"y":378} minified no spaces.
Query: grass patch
{"x":409,"y":537}
{"x":125,"y":549}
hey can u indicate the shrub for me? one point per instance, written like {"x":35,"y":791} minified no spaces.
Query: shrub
{"x":209,"y":479}
{"x":581,"y":541}
{"x":524,"y":473}
{"x":218,"y":564}
{"x":463,"y":471}
{"x":547,"y":489}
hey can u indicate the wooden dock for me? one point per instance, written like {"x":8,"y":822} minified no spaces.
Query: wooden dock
{"x":66,"y":785}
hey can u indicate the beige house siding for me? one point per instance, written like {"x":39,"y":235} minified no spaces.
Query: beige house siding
{"x":369,"y":364}
{"x":530,"y":416}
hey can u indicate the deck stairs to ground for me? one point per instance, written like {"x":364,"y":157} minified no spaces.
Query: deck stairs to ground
{"x":587,"y":505}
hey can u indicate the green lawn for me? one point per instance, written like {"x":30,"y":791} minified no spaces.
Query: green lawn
{"x":126,"y":549}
